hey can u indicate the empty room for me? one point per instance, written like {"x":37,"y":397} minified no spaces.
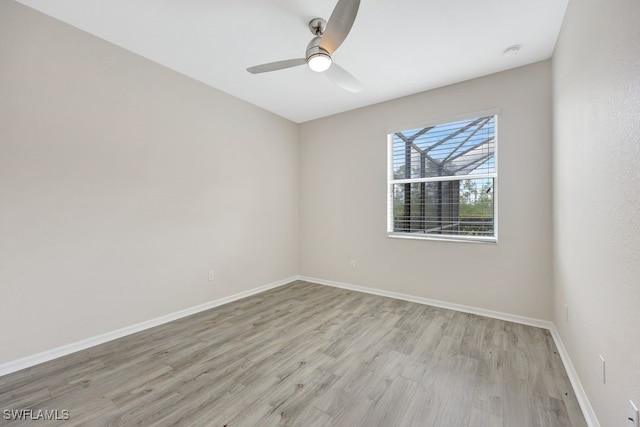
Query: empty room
{"x":320,"y":213}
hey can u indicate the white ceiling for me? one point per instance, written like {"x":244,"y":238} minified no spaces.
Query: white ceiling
{"x":395,"y":48}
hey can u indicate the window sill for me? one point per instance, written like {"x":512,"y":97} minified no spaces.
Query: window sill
{"x":456,"y":239}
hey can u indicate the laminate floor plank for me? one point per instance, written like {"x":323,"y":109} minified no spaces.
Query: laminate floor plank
{"x":489,"y":392}
{"x":313,"y":356}
{"x":479,"y":418}
{"x":392,"y":406}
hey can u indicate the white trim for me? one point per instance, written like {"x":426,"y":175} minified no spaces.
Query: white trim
{"x":496,"y":111}
{"x":392,"y":181}
{"x":583,"y":400}
{"x":443,"y":178}
{"x":36,"y":359}
{"x":441,"y":237}
{"x":496,"y":181}
{"x":581,"y":395}
{"x":538,"y":323}
{"x":390,"y":218}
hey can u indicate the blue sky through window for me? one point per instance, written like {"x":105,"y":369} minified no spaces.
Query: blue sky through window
{"x":458,"y":148}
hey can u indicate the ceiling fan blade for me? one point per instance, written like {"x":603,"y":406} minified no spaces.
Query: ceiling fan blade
{"x":339,"y":24}
{"x":278,"y":65}
{"x":342,"y":78}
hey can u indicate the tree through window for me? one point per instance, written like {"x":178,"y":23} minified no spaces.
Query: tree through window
{"x":442,"y":180}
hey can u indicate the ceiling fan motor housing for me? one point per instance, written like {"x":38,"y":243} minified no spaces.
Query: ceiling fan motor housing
{"x":317,"y":55}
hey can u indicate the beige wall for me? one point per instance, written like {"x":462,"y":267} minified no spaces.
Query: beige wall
{"x":343,"y":170}
{"x":596,"y":77}
{"x":122,"y":183}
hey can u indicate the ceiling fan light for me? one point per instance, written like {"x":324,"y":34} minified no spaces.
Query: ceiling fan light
{"x":319,"y":62}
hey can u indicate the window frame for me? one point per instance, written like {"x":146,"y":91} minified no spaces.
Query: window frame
{"x":391,"y":181}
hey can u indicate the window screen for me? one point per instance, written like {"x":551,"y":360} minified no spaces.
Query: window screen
{"x":442,"y":181}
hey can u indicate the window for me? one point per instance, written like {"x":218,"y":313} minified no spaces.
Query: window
{"x":442,"y":181}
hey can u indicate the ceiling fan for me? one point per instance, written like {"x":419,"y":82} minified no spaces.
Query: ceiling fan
{"x":329,"y":35}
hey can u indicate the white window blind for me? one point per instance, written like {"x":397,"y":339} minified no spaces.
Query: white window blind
{"x":442,"y":181}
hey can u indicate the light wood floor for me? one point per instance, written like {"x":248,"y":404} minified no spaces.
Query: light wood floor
{"x":309,"y":355}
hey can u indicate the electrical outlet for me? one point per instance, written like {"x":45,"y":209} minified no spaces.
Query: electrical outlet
{"x":353,"y":263}
{"x":211,"y":275}
{"x":634,"y":415}
{"x":603,"y":369}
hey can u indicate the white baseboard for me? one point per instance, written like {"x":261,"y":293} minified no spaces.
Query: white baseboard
{"x":583,"y":400}
{"x":46,"y":356}
{"x":36,"y":359}
{"x":544,"y":324}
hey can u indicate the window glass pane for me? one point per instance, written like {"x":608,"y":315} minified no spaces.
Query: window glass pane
{"x":456,"y":207}
{"x":453,"y":149}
